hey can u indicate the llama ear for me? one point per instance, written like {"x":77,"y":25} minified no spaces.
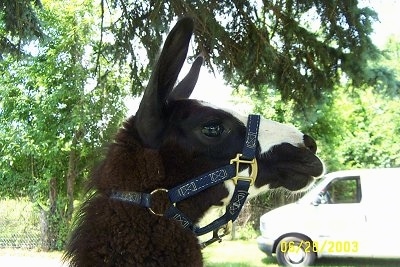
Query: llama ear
{"x":185,"y":88}
{"x":149,"y":119}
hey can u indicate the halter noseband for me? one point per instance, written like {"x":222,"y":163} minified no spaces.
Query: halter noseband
{"x":202,"y":182}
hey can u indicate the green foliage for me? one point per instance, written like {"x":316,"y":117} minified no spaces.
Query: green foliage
{"x":355,"y":127}
{"x":298,"y":48}
{"x":57,"y":109}
{"x":371,"y":140}
{"x":247,"y":232}
{"x":19,"y":24}
{"x":295,"y":47}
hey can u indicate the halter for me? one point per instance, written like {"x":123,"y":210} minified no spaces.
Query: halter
{"x":202,"y":182}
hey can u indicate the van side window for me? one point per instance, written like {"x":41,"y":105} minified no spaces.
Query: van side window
{"x":343,"y":190}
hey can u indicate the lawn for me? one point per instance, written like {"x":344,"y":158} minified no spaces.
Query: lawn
{"x":227,"y":253}
{"x":224,"y":254}
{"x":235,"y":254}
{"x":246,"y":253}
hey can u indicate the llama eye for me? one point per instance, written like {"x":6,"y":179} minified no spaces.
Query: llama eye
{"x":214,"y":129}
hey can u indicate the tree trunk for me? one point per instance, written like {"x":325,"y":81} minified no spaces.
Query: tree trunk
{"x":72,"y":174}
{"x":48,"y":231}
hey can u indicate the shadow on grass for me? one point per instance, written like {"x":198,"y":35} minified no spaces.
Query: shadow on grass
{"x":364,"y":262}
{"x":246,"y":254}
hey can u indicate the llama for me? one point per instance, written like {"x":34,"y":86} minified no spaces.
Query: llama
{"x":181,"y":145}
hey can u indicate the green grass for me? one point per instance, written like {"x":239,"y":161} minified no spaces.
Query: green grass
{"x":224,"y":254}
{"x":235,"y":254}
{"x":246,"y":253}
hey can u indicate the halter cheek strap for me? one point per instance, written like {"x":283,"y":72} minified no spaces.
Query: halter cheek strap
{"x":202,"y":182}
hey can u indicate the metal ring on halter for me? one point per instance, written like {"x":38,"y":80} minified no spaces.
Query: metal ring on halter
{"x":152,"y":193}
{"x":254,"y":169}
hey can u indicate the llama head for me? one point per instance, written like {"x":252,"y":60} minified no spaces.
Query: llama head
{"x":193,"y":137}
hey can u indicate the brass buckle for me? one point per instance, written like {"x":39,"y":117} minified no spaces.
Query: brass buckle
{"x":253,"y":173}
{"x":158,"y":190}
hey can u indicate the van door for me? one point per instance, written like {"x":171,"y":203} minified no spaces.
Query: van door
{"x":343,"y":223}
{"x":383,"y":217}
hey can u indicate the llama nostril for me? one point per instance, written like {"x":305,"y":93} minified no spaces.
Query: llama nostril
{"x":310,"y":143}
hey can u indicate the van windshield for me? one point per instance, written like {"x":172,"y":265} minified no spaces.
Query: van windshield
{"x":310,"y":195}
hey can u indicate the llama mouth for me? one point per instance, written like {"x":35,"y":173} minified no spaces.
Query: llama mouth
{"x":288,"y":166}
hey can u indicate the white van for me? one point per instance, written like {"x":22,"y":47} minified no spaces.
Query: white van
{"x":347,"y":214}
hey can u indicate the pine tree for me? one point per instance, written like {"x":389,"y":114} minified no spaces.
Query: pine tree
{"x":299,"y":48}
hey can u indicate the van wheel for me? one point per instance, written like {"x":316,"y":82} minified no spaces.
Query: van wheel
{"x":295,"y":251}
